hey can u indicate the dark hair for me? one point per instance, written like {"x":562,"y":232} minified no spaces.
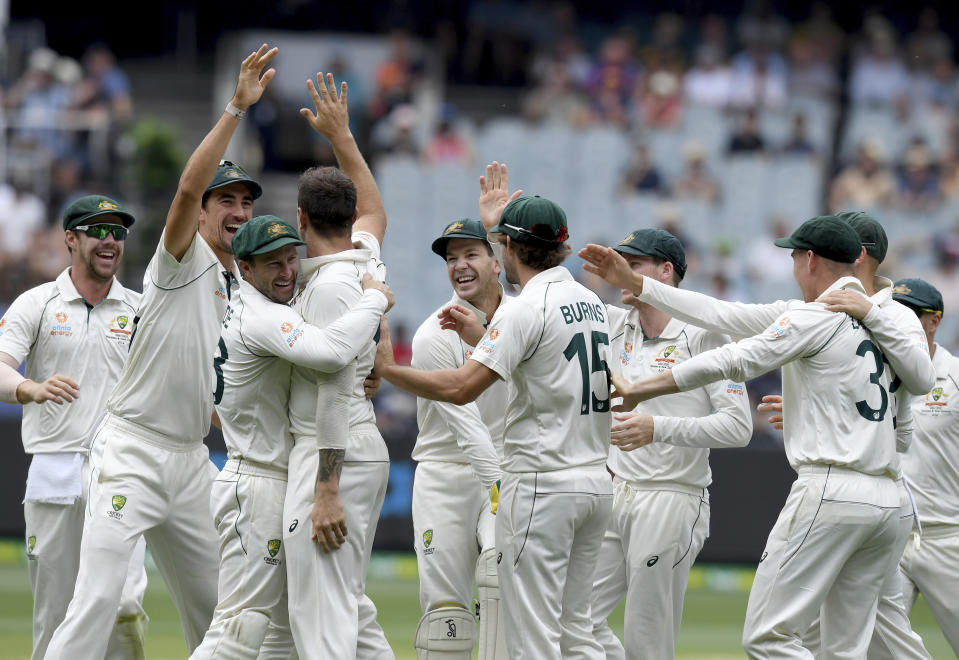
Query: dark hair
{"x":328,"y":198}
{"x":540,"y":256}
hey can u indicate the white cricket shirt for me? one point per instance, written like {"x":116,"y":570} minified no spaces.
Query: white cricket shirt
{"x":471,"y":433}
{"x":53,"y":328}
{"x":332,"y":288}
{"x":932,"y":462}
{"x":685,"y":424}
{"x":836,"y":402}
{"x":552,"y":343}
{"x":260,"y":342}
{"x":167,"y":382}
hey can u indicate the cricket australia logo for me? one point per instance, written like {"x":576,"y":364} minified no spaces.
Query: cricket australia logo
{"x":454,"y":226}
{"x":937,"y":398}
{"x":427,"y":541}
{"x":666,"y":358}
{"x":31,"y":546}
{"x":273,"y":547}
{"x":118,"y":502}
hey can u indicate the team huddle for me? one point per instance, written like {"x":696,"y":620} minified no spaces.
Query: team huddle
{"x":562,"y":455}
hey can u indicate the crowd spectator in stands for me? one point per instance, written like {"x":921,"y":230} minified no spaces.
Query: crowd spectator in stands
{"x":612,"y":82}
{"x":396,"y":134}
{"x":798,"y":142}
{"x":557,"y":98}
{"x":820,"y":29}
{"x":695,"y":181}
{"x":21,"y":214}
{"x":105,"y":89}
{"x":665,"y":49}
{"x":760,"y":24}
{"x":918,"y":184}
{"x":39,"y":99}
{"x":949,"y":175}
{"x":661,"y":100}
{"x":760,"y":77}
{"x":864,"y":184}
{"x":928,"y":43}
{"x":811,"y":73}
{"x":641,"y":175}
{"x":397,"y":77}
{"x":714,"y":36}
{"x":447,"y":145}
{"x":709,"y":82}
{"x":747,"y":140}
{"x":878,"y":76}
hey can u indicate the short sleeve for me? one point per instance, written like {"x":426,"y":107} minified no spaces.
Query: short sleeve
{"x":509,"y":339}
{"x":19,"y":325}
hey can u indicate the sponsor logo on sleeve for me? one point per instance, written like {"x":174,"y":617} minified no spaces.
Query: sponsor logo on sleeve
{"x":735,"y":388}
{"x":290,"y":333}
{"x":489,"y":341}
{"x":778,"y":329}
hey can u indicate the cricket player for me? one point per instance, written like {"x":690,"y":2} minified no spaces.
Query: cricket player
{"x":931,"y":465}
{"x":339,"y":463}
{"x":151,"y":473}
{"x":835,"y":539}
{"x":660,"y":459}
{"x":458,"y":453}
{"x":552,"y":343}
{"x":261,"y":340}
{"x":893,"y":636}
{"x":73,"y":330}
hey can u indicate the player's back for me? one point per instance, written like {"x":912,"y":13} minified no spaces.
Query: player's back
{"x":559,"y":417}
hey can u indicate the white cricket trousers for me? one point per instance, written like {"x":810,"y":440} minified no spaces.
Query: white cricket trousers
{"x":330,"y":614}
{"x":549,"y":529}
{"x":53,"y":533}
{"x":247,"y":506}
{"x":932,"y":570}
{"x":452,"y":524}
{"x":655,"y":534}
{"x":142,"y":484}
{"x":830,"y":550}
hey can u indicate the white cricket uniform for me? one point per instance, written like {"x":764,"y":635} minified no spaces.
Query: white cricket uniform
{"x":151,"y":472}
{"x":458,"y":452}
{"x":660,"y":514}
{"x":260,"y":342}
{"x":327,"y":603}
{"x":552,"y":344}
{"x":55,"y":330}
{"x":835,"y":539}
{"x":932,"y":468}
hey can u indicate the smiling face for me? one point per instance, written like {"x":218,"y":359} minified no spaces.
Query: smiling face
{"x":97,"y":258}
{"x":225,"y":210}
{"x":274,"y":273}
{"x":472,"y":269}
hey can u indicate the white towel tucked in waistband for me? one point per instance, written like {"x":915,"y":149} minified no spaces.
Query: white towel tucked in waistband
{"x":55,"y":478}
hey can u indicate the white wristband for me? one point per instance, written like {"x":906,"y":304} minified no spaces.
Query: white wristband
{"x":235,"y":111}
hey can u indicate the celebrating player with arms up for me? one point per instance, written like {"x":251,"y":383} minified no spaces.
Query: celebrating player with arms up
{"x":152,"y":471}
{"x":835,"y":538}
{"x":45,"y":326}
{"x":262,"y":338}
{"x":551,"y":342}
{"x":660,"y":459}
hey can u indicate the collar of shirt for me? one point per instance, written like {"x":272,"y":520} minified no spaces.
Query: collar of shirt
{"x":312,"y":264}
{"x":68,"y":290}
{"x":673,"y":328}
{"x":883,"y":286}
{"x":941,"y":362}
{"x":476,"y":310}
{"x":849,"y":283}
{"x":557,"y":274}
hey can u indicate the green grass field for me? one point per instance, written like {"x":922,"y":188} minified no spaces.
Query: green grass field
{"x":715,"y":607}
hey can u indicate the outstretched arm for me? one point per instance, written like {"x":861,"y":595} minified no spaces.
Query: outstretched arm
{"x":183,"y":217}
{"x":332,"y":121}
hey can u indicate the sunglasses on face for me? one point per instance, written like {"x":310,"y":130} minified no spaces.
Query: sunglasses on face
{"x":101,"y":231}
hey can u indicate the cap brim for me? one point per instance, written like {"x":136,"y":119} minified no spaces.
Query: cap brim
{"x":788,"y":243}
{"x":439,"y":245}
{"x":126,"y":217}
{"x":629,"y":249}
{"x":254,"y":187}
{"x":276,"y":244}
{"x":913,"y":302}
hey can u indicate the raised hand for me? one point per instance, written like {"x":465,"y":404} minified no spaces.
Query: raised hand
{"x":56,"y":388}
{"x":368,"y":282}
{"x":462,"y":321}
{"x":253,"y":80}
{"x":494,"y":194}
{"x":331,"y":119}
{"x":610,"y":265}
{"x":773,"y":403}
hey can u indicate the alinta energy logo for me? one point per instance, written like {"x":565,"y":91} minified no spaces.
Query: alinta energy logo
{"x":291,"y":332}
{"x":61,"y":329}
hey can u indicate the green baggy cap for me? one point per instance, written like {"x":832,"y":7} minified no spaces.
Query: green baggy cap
{"x":533,"y":219}
{"x":919,"y":294}
{"x":657,"y":243}
{"x":92,"y":206}
{"x":263,"y":234}
{"x":227,"y":173}
{"x":827,"y":236}
{"x":871,"y":233}
{"x":465,"y":228}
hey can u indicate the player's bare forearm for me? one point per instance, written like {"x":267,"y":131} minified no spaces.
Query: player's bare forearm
{"x":634,"y":393}
{"x":370,"y":213}
{"x":183,"y":216}
{"x":459,"y":386}
{"x":330,"y":467}
{"x":327,"y":515}
{"x":612,"y":267}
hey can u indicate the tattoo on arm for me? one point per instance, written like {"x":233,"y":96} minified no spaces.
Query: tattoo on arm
{"x":331,"y":463}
